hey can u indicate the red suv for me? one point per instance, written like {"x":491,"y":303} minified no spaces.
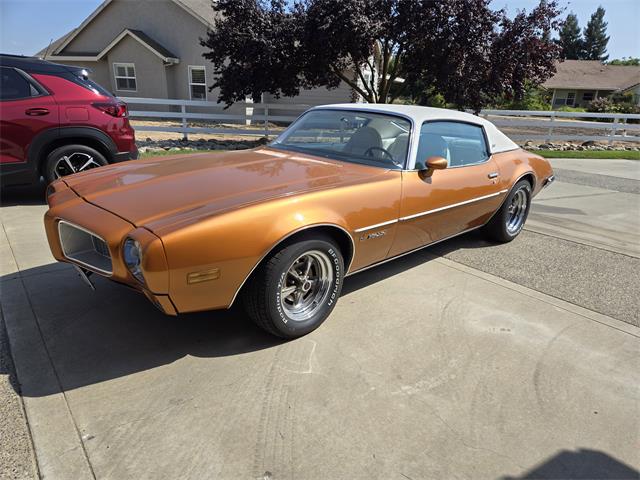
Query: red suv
{"x":55,"y":121}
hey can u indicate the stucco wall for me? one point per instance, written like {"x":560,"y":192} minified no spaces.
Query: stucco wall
{"x":316,"y":96}
{"x":151,"y":76}
{"x":163,"y":21}
{"x":176,"y":30}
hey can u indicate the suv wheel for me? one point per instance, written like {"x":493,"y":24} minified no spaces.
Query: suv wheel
{"x":296,"y":289}
{"x":71,"y":159}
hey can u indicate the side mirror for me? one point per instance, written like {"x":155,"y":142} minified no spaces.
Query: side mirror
{"x":432,"y":164}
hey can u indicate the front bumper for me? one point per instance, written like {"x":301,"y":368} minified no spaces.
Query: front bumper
{"x":70,"y":209}
{"x":548,"y":181}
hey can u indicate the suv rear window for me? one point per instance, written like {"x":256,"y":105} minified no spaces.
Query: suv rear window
{"x":79,"y":78}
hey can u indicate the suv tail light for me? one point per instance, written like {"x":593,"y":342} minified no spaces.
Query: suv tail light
{"x":116,"y":109}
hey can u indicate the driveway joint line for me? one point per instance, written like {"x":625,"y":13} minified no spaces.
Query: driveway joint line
{"x":53,"y":367}
{"x":508,"y":287}
{"x":19,"y":395}
{"x":20,"y":399}
{"x":611,"y":192}
{"x":528,"y":229}
{"x":580,"y":172}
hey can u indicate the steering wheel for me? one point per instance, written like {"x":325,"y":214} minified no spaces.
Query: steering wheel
{"x":369,"y":153}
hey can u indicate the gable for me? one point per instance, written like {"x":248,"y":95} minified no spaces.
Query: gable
{"x":166,"y":21}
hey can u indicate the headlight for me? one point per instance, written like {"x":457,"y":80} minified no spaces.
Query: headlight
{"x":132,"y":254}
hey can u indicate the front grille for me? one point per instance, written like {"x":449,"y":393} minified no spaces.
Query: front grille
{"x":84,"y":247}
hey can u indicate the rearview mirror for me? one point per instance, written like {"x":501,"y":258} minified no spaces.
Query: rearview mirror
{"x":432,"y":164}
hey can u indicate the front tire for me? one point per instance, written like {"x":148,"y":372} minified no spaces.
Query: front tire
{"x":509,"y":221}
{"x":296,"y":288}
{"x":70,"y":159}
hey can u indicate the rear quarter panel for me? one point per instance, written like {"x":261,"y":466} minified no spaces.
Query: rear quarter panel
{"x":516,"y":163}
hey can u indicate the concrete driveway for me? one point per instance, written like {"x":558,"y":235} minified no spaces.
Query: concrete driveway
{"x":427,"y":369}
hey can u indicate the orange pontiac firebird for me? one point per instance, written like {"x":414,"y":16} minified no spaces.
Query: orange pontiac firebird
{"x":344,"y":188}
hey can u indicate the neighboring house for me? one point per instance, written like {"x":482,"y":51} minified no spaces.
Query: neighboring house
{"x":578,"y":82}
{"x":151,"y":48}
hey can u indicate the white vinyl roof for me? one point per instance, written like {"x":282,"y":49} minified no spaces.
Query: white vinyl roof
{"x":498,"y":141}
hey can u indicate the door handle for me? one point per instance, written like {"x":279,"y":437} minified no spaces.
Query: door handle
{"x":493,"y":175}
{"x":37,"y":112}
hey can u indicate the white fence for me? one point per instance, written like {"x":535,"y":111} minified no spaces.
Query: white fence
{"x":617,"y":129}
{"x":263,"y":119}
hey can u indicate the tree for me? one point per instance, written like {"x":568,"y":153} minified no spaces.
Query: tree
{"x":478,"y":55}
{"x":595,"y":37}
{"x":570,"y":38}
{"x":466,"y":51}
{"x":628,"y":61}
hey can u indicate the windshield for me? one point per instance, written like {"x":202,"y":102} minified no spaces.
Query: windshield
{"x":354,"y":136}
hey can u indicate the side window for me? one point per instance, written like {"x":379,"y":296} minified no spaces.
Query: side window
{"x":125,"y":74}
{"x":14,"y":86}
{"x":197,"y":83}
{"x":460,"y":143}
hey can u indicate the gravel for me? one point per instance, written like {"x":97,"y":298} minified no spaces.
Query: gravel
{"x":618,"y":184}
{"x":603,"y":281}
{"x":16,"y":454}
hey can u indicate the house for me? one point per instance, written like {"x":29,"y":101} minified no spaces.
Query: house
{"x":151,"y":49}
{"x":578,"y":82}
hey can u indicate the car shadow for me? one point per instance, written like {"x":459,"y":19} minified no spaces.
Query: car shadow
{"x":91,"y":337}
{"x":583,"y":464}
{"x":23,"y":195}
{"x":95,"y":336}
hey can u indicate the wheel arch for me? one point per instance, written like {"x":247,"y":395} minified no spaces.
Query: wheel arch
{"x":47,"y":141}
{"x":337,"y":233}
{"x":529,"y":176}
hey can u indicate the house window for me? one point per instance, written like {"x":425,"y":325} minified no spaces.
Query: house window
{"x":197,"y":83}
{"x":125,"y":74}
{"x":571,"y":98}
{"x":587,"y":96}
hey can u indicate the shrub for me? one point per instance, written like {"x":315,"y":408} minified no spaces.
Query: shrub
{"x":566,"y":108}
{"x":609,"y":105}
{"x":602,"y":105}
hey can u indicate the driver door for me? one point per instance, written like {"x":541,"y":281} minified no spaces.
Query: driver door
{"x":450,"y":201}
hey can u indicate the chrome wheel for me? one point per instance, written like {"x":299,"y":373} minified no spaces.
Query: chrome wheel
{"x":306,"y":285}
{"x":74,"y":163}
{"x":517,"y":211}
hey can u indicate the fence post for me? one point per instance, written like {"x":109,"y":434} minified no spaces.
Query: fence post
{"x":183,"y":110}
{"x":266,"y":120}
{"x":550,"y":131}
{"x":612,"y":134}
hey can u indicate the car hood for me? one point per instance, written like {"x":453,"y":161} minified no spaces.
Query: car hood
{"x":147,"y":191}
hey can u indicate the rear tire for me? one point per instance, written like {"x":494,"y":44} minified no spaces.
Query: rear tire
{"x":508,"y":222}
{"x":70,"y":159}
{"x":296,"y":288}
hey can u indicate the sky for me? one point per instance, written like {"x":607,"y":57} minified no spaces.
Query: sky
{"x":27,"y":26}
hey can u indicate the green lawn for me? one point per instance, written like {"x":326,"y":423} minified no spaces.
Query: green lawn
{"x":622,"y":155}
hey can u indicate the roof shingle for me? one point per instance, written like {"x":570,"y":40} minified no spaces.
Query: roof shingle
{"x":593,"y":75}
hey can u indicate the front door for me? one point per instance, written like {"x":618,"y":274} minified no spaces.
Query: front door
{"x":450,"y":201}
